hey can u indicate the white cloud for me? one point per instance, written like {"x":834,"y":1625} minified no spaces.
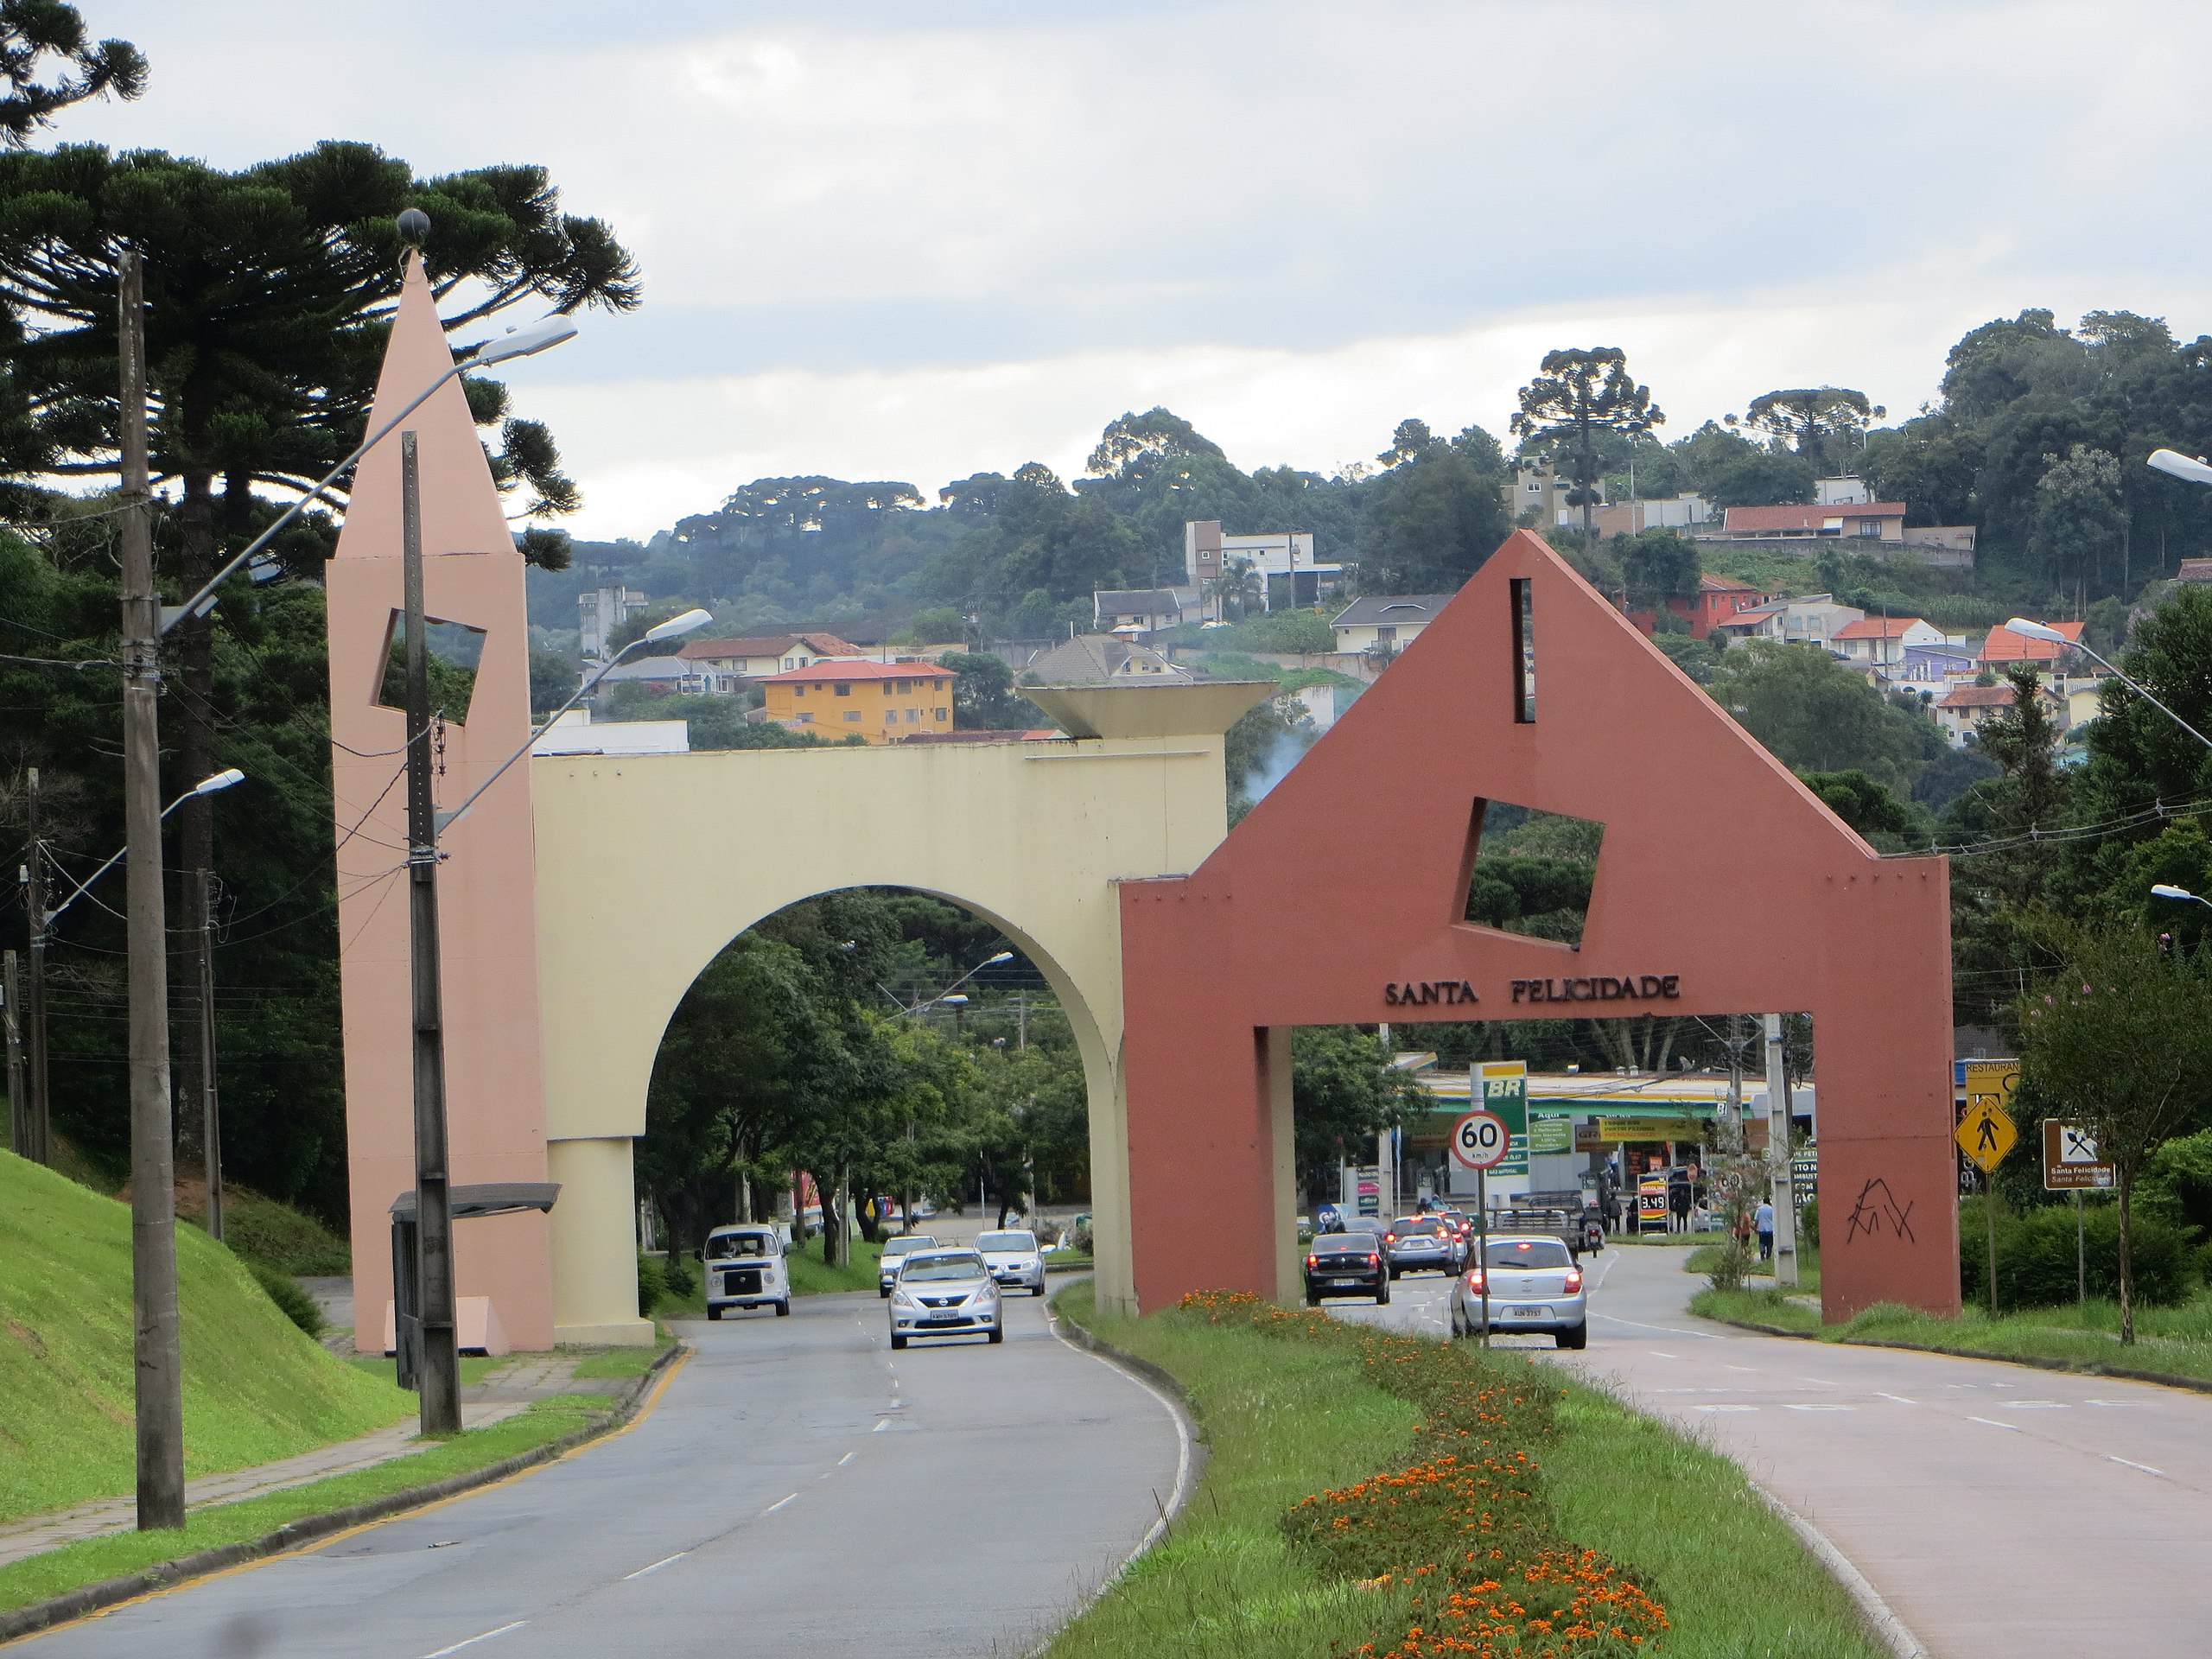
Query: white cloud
{"x":886,"y":240}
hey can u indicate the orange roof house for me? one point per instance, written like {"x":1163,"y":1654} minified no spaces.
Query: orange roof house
{"x":884,"y":703}
{"x":2004,"y":647}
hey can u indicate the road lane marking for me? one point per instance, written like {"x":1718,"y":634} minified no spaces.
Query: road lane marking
{"x":474,"y":1640}
{"x":779,"y":1504}
{"x":1655,"y":1354}
{"x":847,"y":1458}
{"x":1823,"y":1406}
{"x":1820,"y":1381}
{"x":1752,"y":1369}
{"x":2112,"y":1402}
{"x":2033,"y":1405}
{"x":1726,"y":1407}
{"x":1672,"y":1331}
{"x":656,"y":1567}
{"x":2132,"y":1464}
{"x":1899,"y":1398}
{"x":881,"y":1425}
{"x":2009,"y":1428}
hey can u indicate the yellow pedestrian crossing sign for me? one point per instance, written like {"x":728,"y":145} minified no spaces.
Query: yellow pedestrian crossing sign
{"x":1986,"y":1133}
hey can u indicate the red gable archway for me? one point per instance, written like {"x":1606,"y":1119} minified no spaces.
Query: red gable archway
{"x":1351,"y":877}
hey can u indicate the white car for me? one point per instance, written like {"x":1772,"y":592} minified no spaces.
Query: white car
{"x":1533,"y":1285}
{"x":887,"y":1268}
{"x":1014,"y":1260}
{"x":746,"y":1269}
{"x":945,"y":1293}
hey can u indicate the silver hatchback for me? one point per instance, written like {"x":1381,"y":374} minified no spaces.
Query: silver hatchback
{"x":1533,"y":1285}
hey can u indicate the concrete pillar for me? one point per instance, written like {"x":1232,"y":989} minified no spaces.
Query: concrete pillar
{"x":596,"y":1244}
{"x":1114,"y":1279}
{"x":1279,"y":1138}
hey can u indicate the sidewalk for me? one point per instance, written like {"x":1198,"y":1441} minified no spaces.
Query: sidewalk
{"x":505,"y":1391}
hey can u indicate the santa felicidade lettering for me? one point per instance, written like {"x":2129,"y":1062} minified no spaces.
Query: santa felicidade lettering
{"x":1417,"y":992}
{"x":1599,"y":988}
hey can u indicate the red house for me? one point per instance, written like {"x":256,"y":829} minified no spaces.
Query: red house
{"x":1717,"y":597}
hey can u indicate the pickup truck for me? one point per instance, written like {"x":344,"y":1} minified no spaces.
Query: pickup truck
{"x":1574,"y":1226}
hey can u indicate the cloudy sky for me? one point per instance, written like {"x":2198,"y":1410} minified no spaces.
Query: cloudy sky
{"x":920,"y":240}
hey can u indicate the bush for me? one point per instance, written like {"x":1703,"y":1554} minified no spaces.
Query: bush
{"x":298,"y":1307}
{"x":652,"y":1284}
{"x":1808,"y":1223}
{"x":2035,"y":1265}
{"x":677,"y":1274}
{"x":1726,"y":1263}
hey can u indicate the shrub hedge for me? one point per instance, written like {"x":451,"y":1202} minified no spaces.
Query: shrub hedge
{"x":2036,"y":1260}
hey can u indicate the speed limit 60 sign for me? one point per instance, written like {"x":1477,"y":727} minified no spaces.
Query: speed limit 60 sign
{"x":1480,"y":1140}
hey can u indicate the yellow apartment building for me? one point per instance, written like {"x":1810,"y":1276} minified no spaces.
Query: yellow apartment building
{"x":881,"y":702}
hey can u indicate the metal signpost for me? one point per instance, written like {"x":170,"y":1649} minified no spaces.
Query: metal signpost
{"x":2070,"y":1164}
{"x":1986,"y":1133}
{"x":1480,"y":1141}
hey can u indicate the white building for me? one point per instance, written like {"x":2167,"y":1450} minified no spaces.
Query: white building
{"x":1207,"y":554}
{"x":574,"y":733}
{"x":599,"y":613}
{"x":1814,"y":620}
{"x":1394,"y":620}
{"x":1880,"y":642}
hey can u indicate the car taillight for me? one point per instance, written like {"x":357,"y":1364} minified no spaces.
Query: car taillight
{"x":1475,"y":1279}
{"x":1312,"y":1261}
{"x":1575,"y":1278}
{"x":1374,"y":1260}
{"x":1389,"y":1238}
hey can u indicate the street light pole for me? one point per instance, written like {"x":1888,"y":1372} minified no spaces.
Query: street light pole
{"x":211,"y":1130}
{"x":2022,"y":626}
{"x":36,"y":1115}
{"x":160,"y":1392}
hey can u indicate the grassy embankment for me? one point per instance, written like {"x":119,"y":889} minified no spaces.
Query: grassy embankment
{"x":1294,"y":1407}
{"x":96,"y":1560}
{"x":256,"y":1388}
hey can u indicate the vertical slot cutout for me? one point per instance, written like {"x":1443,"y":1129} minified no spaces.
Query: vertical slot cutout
{"x":1524,"y":652}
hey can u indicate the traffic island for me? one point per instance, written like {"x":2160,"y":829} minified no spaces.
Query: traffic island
{"x":1374,"y":1493}
{"x":98,"y":1573}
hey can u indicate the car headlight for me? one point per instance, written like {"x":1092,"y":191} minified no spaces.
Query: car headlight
{"x":901,"y":1299}
{"x":987,"y":1292}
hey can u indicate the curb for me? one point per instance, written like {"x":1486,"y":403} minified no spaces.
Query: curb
{"x":1162,"y":1381}
{"x":167,"y":1575}
{"x":2033,"y":1362}
{"x":1882,"y":1622}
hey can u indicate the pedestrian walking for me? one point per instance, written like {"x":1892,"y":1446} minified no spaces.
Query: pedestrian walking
{"x":1763,"y":1224}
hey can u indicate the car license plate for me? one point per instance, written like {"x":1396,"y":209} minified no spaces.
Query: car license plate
{"x":1343,"y":1282}
{"x":1528,"y":1313}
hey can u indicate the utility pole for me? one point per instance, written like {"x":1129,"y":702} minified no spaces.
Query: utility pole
{"x":211,"y":1131}
{"x":36,"y":1115}
{"x":11,"y":1024}
{"x":153,"y":1164}
{"x":439,"y":1375}
{"x":1022,"y":1022}
{"x":1777,"y":1154}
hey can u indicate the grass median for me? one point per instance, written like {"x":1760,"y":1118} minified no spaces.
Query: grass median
{"x":93,"y":1561}
{"x":1372,"y":1493}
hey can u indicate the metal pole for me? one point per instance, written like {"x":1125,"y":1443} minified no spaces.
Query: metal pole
{"x":1777,"y":1157}
{"x":10,"y":1008}
{"x":37,"y":1115}
{"x":441,"y":1362}
{"x":211,"y":1123}
{"x":1989,"y":1248}
{"x":1482,"y":1243}
{"x":153,"y":1162}
{"x":2080,"y":1255}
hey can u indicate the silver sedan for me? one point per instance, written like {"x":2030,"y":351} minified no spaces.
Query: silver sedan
{"x":1533,"y":1285}
{"x":945,"y":1293}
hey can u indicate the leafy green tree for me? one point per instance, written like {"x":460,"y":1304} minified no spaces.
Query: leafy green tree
{"x":1410,"y":441}
{"x":34,"y":31}
{"x":1133,"y":444}
{"x":1822,"y":424}
{"x":1812,"y":712}
{"x":2119,"y":1040}
{"x":1578,"y":393}
{"x":2078,"y":519}
{"x":1657,"y":565}
{"x":1758,"y":478}
{"x":1343,"y":1089}
{"x":1890,"y":824}
{"x":984,"y":697}
{"x":1430,"y":523}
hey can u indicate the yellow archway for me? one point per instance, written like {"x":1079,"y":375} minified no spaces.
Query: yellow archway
{"x":648,"y":865}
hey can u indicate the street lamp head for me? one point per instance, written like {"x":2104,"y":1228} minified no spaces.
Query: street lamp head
{"x":221,"y":780}
{"x":2188,"y":468}
{"x":531,"y":338}
{"x":1003,"y":956}
{"x":957,"y":1000}
{"x":676,"y":625}
{"x":2167,"y":890}
{"x":2028,"y":630}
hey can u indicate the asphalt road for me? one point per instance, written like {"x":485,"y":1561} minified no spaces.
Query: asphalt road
{"x":799,"y":1489}
{"x":2002,"y":1512}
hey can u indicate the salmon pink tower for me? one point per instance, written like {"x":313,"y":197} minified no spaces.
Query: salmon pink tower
{"x":472,"y":577}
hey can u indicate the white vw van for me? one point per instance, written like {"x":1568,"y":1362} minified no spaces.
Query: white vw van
{"x":746,"y":1269}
